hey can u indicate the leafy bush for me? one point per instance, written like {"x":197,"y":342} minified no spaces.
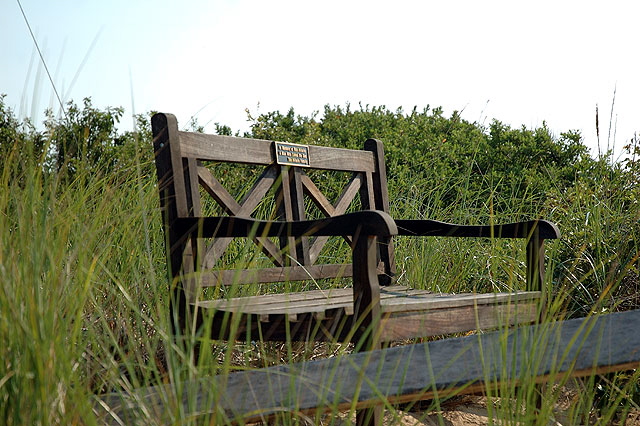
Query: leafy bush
{"x":426,"y":150}
{"x":20,"y":144}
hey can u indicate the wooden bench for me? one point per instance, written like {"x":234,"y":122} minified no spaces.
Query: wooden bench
{"x":294,"y":245}
{"x":549,"y":352}
{"x":297,"y":219}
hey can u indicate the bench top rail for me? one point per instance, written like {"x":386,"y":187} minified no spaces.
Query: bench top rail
{"x":258,"y":151}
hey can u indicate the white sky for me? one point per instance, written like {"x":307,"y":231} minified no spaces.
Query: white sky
{"x":519,"y":62}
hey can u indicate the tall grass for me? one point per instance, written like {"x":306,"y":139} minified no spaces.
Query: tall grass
{"x":79,"y":298}
{"x":84,"y":293}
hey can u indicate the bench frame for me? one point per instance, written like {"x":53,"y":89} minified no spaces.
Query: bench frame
{"x":369,"y":232}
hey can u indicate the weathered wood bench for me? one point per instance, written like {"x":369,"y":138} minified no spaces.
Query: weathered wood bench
{"x":549,"y":352}
{"x":187,"y":164}
{"x":293,"y":233}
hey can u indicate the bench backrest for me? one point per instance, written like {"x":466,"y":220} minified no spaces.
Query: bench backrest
{"x":184,"y":178}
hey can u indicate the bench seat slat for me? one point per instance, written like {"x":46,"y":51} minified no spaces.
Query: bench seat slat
{"x":295,"y":297}
{"x":456,"y":319}
{"x":409,"y":325}
{"x":274,"y":275}
{"x":214,"y":278}
{"x":292,"y":302}
{"x":406,"y":313}
{"x":400,"y":299}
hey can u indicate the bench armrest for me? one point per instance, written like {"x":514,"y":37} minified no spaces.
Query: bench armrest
{"x":368,"y":222}
{"x":545,"y":229}
{"x":534,"y":231}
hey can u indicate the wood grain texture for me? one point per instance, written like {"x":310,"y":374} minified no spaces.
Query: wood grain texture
{"x":580,"y":347}
{"x":366,"y":293}
{"x":401,"y":325}
{"x":218,"y":192}
{"x":244,"y":208}
{"x":394,"y":299}
{"x":342,"y":204}
{"x":404,"y":313}
{"x":173,"y":205}
{"x":348,"y":160}
{"x":380,"y":194}
{"x":274,"y":275}
{"x":317,"y":197}
{"x":302,"y":255}
{"x":338,"y":296}
{"x":256,"y":151}
{"x":226,"y":148}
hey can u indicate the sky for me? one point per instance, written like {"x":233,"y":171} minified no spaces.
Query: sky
{"x":524,"y":63}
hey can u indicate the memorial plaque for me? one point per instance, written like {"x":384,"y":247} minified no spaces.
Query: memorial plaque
{"x":291,"y":154}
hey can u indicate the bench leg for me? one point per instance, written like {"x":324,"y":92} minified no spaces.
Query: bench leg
{"x":369,"y":416}
{"x":367,"y":310}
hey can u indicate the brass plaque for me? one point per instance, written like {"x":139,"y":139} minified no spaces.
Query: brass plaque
{"x":291,"y":154}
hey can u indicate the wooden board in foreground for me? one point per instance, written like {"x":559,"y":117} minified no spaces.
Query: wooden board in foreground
{"x":408,"y":373}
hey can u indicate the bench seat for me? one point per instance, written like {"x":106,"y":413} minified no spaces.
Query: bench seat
{"x":406,"y":313}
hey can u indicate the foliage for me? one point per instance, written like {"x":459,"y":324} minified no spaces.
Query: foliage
{"x":425,"y":150}
{"x":78,"y":265}
{"x":83,"y":140}
{"x":20,"y":143}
